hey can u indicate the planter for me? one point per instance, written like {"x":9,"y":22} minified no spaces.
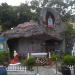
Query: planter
{"x":65,"y":70}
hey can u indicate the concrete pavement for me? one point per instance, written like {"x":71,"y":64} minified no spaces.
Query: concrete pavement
{"x":46,"y":71}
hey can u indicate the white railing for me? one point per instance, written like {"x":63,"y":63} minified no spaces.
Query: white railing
{"x":16,"y":68}
{"x":72,"y":69}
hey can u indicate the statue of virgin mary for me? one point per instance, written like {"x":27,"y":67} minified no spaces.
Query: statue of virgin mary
{"x":50,"y":22}
{"x":73,"y":51}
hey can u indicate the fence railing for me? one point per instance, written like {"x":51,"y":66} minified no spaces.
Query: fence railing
{"x":71,"y":68}
{"x":16,"y":68}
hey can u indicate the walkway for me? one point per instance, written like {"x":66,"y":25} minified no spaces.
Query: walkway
{"x":46,"y":71}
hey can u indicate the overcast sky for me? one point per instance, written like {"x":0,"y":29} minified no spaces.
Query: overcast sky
{"x":14,"y":2}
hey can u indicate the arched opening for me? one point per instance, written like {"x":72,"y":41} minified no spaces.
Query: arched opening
{"x":12,"y":44}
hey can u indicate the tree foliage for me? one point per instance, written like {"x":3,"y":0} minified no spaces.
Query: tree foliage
{"x":11,"y":16}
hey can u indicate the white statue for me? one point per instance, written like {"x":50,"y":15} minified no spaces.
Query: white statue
{"x":15,"y":53}
{"x":73,"y":51}
{"x":50,"y":21}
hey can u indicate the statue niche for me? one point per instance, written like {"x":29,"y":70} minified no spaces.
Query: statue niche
{"x":50,"y":20}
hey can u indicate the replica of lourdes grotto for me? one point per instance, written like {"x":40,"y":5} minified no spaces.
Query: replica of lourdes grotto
{"x":38,"y":39}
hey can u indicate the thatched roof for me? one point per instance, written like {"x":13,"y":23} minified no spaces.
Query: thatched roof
{"x":26,"y":29}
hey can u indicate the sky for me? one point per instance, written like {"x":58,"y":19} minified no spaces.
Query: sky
{"x":14,"y":2}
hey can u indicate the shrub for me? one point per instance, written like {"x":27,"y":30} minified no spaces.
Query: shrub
{"x":4,"y":58}
{"x":31,"y":62}
{"x":69,"y":60}
{"x":55,"y":57}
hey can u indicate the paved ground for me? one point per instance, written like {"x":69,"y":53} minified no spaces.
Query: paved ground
{"x":42,"y":70}
{"x":47,"y":71}
{"x":21,"y":73}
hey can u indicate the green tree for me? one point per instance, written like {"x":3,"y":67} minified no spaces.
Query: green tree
{"x":64,"y":7}
{"x":7,"y":16}
{"x":61,"y":5}
{"x":11,"y":16}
